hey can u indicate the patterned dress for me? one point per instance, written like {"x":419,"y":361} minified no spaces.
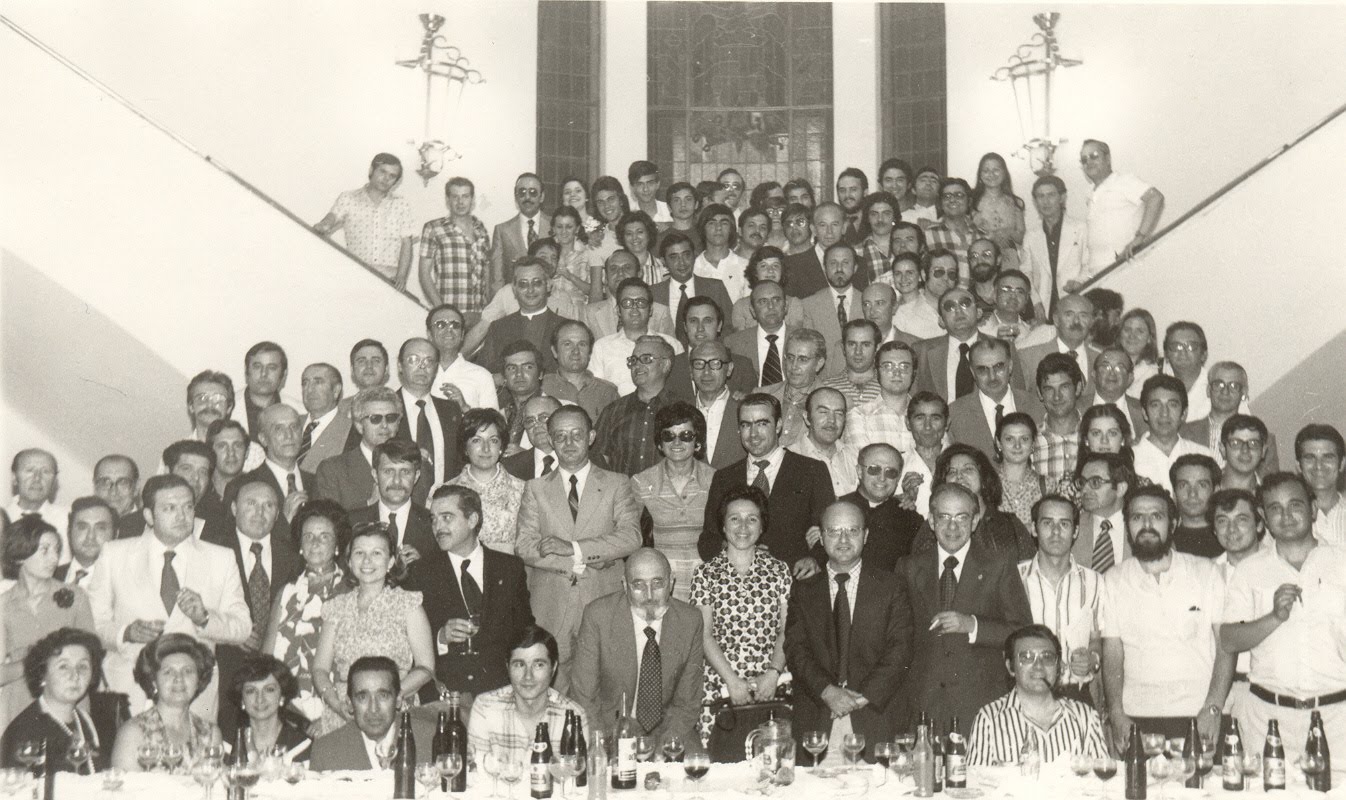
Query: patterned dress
{"x":153,"y":731}
{"x":380,"y":630}
{"x":677,"y":517}
{"x":501,"y":497}
{"x":1018,"y":497}
{"x":748,"y":616}
{"x":300,"y":628}
{"x":1002,"y":220}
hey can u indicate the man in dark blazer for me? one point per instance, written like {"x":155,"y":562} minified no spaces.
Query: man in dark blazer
{"x":804,"y":270}
{"x":348,"y":478}
{"x":438,"y":438}
{"x":611,"y":661}
{"x":972,"y":417}
{"x":892,"y":528}
{"x":958,"y":315}
{"x":511,"y":238}
{"x":495,"y":590}
{"x":539,"y":459}
{"x":797,"y":489}
{"x":533,"y":322}
{"x":847,"y":659}
{"x":965,"y":601}
{"x":705,"y":323}
{"x":266,"y":563}
{"x":768,"y":302}
{"x":678,"y":289}
{"x":372,"y":689}
{"x":397,"y":468}
{"x":279,"y":433}
{"x":325,"y":426}
{"x":715,"y":400}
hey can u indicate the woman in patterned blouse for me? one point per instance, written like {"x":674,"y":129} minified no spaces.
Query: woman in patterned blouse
{"x":1021,"y":483}
{"x":501,"y":493}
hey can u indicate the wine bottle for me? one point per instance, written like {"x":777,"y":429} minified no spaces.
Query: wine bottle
{"x":624,"y":776}
{"x":955,"y":758}
{"x":1273,"y":759}
{"x":440,"y":745}
{"x":1317,"y":746}
{"x":49,"y":769}
{"x":937,"y":745}
{"x":1136,"y":774}
{"x":1191,"y":748}
{"x":539,"y":776}
{"x":923,"y":761}
{"x":581,"y":752}
{"x":1232,"y":765}
{"x":404,"y":764}
{"x":239,"y":756}
{"x":457,"y":743}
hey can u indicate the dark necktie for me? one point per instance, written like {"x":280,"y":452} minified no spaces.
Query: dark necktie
{"x":547,"y":463}
{"x":962,"y":378}
{"x":1103,"y":559}
{"x":1075,"y":356}
{"x":532,"y":232}
{"x":771,"y":373}
{"x":999,"y":415}
{"x":762,"y":481}
{"x":649,"y":687}
{"x":424,"y":440}
{"x":574,"y":497}
{"x":680,"y":327}
{"x":291,"y":485}
{"x":948,"y":583}
{"x":393,"y":533}
{"x":168,"y":583}
{"x":471,"y":591}
{"x":259,"y":588}
{"x":841,"y":625}
{"x":841,"y":310}
{"x":80,"y":575}
{"x":306,"y":443}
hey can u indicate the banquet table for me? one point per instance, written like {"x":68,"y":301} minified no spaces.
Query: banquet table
{"x":723,"y":782}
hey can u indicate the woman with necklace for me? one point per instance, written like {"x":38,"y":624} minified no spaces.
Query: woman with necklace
{"x":59,"y":670}
{"x":263,"y":687}
{"x":501,"y":493}
{"x":173,"y":670}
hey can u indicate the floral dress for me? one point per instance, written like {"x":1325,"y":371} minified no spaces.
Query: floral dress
{"x":300,"y":628}
{"x":1018,"y":497}
{"x":379,"y":630}
{"x":152,"y":731}
{"x":1000,"y":218}
{"x":501,"y":497}
{"x":748,"y":616}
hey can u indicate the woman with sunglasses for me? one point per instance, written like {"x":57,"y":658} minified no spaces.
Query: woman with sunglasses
{"x":674,"y":491}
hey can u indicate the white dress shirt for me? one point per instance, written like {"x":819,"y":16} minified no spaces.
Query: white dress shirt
{"x":581,"y":476}
{"x":772,"y":469}
{"x":852,"y":585}
{"x":282,"y":476}
{"x":403,"y":516}
{"x":323,"y":422}
{"x":540,"y":456}
{"x":714,"y":414}
{"x":988,"y":405}
{"x":475,"y":560}
{"x":730,"y":271}
{"x":476,"y":383}
{"x":1154,"y":463}
{"x":537,"y":227}
{"x":413,"y":413}
{"x":371,"y":745}
{"x":608,"y":359}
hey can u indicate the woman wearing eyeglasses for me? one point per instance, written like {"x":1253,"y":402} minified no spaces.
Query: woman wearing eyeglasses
{"x":673,"y":492}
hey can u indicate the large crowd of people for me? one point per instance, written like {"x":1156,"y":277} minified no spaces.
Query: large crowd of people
{"x":882,"y":458}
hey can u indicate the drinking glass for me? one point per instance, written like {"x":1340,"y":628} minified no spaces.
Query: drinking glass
{"x":696,"y":766}
{"x":113,"y":778}
{"x":295,"y":772}
{"x":1205,"y":757}
{"x":12,"y":781}
{"x":884,"y":753}
{"x":148,"y":756}
{"x":427,"y":775}
{"x":171,"y":756}
{"x":79,"y":754}
{"x":1081,"y":764}
{"x":1181,"y":767}
{"x":1105,"y":767}
{"x":816,"y":743}
{"x":511,"y":772}
{"x":673,"y":748}
{"x":205,"y":772}
{"x":386,"y":753}
{"x":852,"y":746}
{"x":1159,"y":770}
{"x":242,"y":776}
{"x":32,"y":754}
{"x":1153,"y":743}
{"x":563,"y":768}
{"x":490,"y":764}
{"x":644,"y":748}
{"x":469,"y":649}
{"x":449,"y":765}
{"x":1252,"y":767}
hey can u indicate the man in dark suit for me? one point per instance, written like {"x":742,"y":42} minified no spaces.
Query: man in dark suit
{"x":279,"y":433}
{"x":397,"y":468}
{"x":324,"y":429}
{"x":1073,"y":320}
{"x":677,"y":290}
{"x":266,"y":563}
{"x":1113,"y":373}
{"x":195,"y":462}
{"x":764,"y":343}
{"x":372,"y":689}
{"x":432,"y":423}
{"x":511,"y":239}
{"x":934,"y":357}
{"x":349,"y":478}
{"x":965,"y":600}
{"x":805,"y":270}
{"x":539,"y":459}
{"x":93,"y":523}
{"x":533,"y":322}
{"x":704,"y":322}
{"x":848,"y":637}
{"x":116,"y":479}
{"x":973,"y":418}
{"x":712,"y":369}
{"x":822,"y":309}
{"x":891,"y":527}
{"x":644,"y":645}
{"x":460,"y":580}
{"x":797,"y":489}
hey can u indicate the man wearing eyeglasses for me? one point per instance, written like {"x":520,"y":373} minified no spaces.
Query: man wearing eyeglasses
{"x":459,"y":380}
{"x":349,"y":478}
{"x":711,"y":369}
{"x":116,"y":479}
{"x":1102,"y":480}
{"x":891,"y":527}
{"x":534,"y":322}
{"x":432,"y":423}
{"x":1227,"y":391}
{"x":939,"y":274}
{"x":1243,"y":445}
{"x":975,"y":418}
{"x":983,"y":260}
{"x":1113,"y":373}
{"x":624,"y":440}
{"x":511,"y":238}
{"x":634,"y":303}
{"x":1012,"y":295}
{"x":704,"y":323}
{"x":1123,"y":210}
{"x":945,"y":361}
{"x":965,"y":600}
{"x":884,"y":418}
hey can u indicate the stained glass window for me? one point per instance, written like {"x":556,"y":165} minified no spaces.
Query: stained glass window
{"x":912,"y":83}
{"x":743,"y":85}
{"x":568,"y":81}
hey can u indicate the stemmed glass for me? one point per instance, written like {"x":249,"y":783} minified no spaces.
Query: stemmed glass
{"x":32,"y":754}
{"x":1252,"y":766}
{"x":511,"y":772}
{"x":852,"y":746}
{"x":171,"y":756}
{"x":696,"y":766}
{"x":148,"y":756}
{"x":1205,"y":757}
{"x":816,"y":743}
{"x":469,"y":649}
{"x":490,"y":764}
{"x":644,"y":746}
{"x":563,"y":768}
{"x":1181,"y":767}
{"x":80,"y":754}
{"x":1081,"y":764}
{"x":449,"y":765}
{"x":673,"y":748}
{"x":242,"y":776}
{"x":1160,"y":770}
{"x":883,"y":754}
{"x":1105,"y":767}
{"x":427,"y":775}
{"x":205,"y":772}
{"x":386,"y":752}
{"x":1153,"y":743}
{"x":295,"y":771}
{"x":113,"y":778}
{"x":12,"y":781}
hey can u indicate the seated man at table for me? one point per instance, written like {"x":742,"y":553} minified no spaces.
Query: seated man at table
{"x":1061,"y":725}
{"x":372,"y":689}
{"x":508,"y":716}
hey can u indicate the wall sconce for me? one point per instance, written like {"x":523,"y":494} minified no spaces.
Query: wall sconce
{"x":445,"y":70}
{"x":1029,"y":72}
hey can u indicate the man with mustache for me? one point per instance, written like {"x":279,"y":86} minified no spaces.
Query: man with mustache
{"x":1068,"y":333}
{"x":825,"y":420}
{"x":1162,"y":660}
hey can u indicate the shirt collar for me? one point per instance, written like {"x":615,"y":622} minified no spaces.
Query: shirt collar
{"x":475,"y":557}
{"x":961,"y":555}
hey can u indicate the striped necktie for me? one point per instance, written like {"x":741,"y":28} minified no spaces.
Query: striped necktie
{"x":1103,"y":560}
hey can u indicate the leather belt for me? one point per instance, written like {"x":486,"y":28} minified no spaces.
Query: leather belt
{"x":1240,"y":677}
{"x":1285,"y":701}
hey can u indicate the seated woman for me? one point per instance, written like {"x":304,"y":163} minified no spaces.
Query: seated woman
{"x":173,"y":670}
{"x":1058,"y":724}
{"x":263,"y":687}
{"x":998,"y":531}
{"x":504,"y":720}
{"x":743,"y":594}
{"x":59,"y":670}
{"x":484,"y":435}
{"x":320,"y":527}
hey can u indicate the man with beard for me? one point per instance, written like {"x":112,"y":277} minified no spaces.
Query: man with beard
{"x":1162,"y":660}
{"x":1108,"y":307}
{"x":826,"y":421}
{"x":983,"y":263}
{"x":852,"y":186}
{"x":1068,"y":333}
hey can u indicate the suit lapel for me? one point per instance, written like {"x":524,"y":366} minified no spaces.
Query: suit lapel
{"x":624,"y":638}
{"x":972,"y":582}
{"x":589,"y":500}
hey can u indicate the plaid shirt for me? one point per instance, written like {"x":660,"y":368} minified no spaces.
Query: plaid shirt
{"x":1054,"y":455}
{"x":941,"y":235}
{"x":878,"y":264}
{"x":457,"y":266}
{"x":875,"y":421}
{"x":625,"y":434}
{"x":495,"y":723}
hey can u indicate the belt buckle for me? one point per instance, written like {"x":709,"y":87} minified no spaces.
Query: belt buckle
{"x":1305,"y":705}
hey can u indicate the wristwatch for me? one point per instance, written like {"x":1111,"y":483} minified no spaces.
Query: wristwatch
{"x":1214,"y":709}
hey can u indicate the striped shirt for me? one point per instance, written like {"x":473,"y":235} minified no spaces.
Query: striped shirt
{"x":1071,"y":609}
{"x":876,"y":421}
{"x":496,"y":722}
{"x":1330,"y":526}
{"x":1001,"y":728}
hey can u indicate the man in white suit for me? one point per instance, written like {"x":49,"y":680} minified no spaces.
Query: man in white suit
{"x":1056,"y":256}
{"x":165,"y":581}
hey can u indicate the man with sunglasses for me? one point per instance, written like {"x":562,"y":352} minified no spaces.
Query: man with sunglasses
{"x":349,"y":478}
{"x":919,"y":317}
{"x":624,"y":440}
{"x":457,"y":379}
{"x":1123,"y":210}
{"x":635,"y":301}
{"x":892,"y":528}
{"x":511,"y":238}
{"x":946,"y":361}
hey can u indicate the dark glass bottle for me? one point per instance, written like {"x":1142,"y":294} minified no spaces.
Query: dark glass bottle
{"x":1136,"y":774}
{"x":1317,"y":746}
{"x":49,"y":756}
{"x":440,"y":745}
{"x":1273,"y":759}
{"x":1191,"y":748}
{"x":624,"y":775}
{"x":457,"y":743}
{"x":937,"y":744}
{"x":955,"y":758}
{"x":1231,"y":767}
{"x":404,"y":765}
{"x":539,"y":775}
{"x":581,"y":752}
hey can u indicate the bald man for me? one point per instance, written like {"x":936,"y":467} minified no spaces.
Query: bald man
{"x":280,"y":434}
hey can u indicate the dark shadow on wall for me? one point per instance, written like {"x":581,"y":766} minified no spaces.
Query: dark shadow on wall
{"x":94,"y":387}
{"x":1313,"y":391}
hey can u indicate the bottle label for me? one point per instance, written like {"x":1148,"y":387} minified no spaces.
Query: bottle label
{"x":626,"y":758}
{"x":956,"y":768}
{"x":1274,"y":772}
{"x":539,"y":779}
{"x":1233,"y":769}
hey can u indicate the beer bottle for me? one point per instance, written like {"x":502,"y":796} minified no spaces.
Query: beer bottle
{"x":1273,"y":759}
{"x":457,"y":742}
{"x":955,"y":758}
{"x":1136,"y":773}
{"x":937,"y":745}
{"x":440,"y":745}
{"x":539,"y":773}
{"x":404,"y":765}
{"x":1191,"y":748}
{"x":1317,"y":746}
{"x":1232,"y":765}
{"x":581,"y":753}
{"x":624,"y":776}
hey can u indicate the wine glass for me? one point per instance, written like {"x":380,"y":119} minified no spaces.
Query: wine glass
{"x":1153,"y":743}
{"x":815,"y":742}
{"x":113,"y":778}
{"x":449,"y":765}
{"x":205,"y":772}
{"x":1181,"y":767}
{"x":1105,"y":767}
{"x":386,"y":752}
{"x":511,"y":772}
{"x":644,"y":746}
{"x":79,"y":754}
{"x":490,"y":764}
{"x":1252,"y":766}
{"x":852,"y":746}
{"x":673,"y":748}
{"x":1205,"y":757}
{"x":563,"y":768}
{"x":148,"y":755}
{"x":12,"y":781}
{"x":241,"y":777}
{"x":427,"y":775}
{"x":1081,"y":764}
{"x":171,"y":756}
{"x":295,"y":771}
{"x":883,"y":754}
{"x":1160,"y":770}
{"x":469,"y":649}
{"x":696,"y":765}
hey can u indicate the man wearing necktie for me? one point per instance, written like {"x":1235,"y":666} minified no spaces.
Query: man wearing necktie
{"x":93,"y":523}
{"x":645,"y":645}
{"x":471,"y":593}
{"x":848,"y":637}
{"x":829,"y":309}
{"x":511,"y":238}
{"x":975,"y":418}
{"x":397,"y":472}
{"x":280,"y":434}
{"x":966,"y":599}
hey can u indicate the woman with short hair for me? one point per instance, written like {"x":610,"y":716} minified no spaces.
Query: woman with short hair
{"x":59,"y":670}
{"x":173,"y":670}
